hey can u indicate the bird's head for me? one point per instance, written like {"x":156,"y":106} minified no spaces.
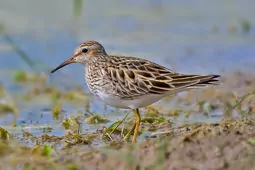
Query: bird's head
{"x":84,"y":53}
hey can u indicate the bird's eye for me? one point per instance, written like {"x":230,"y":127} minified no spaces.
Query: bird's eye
{"x":84,"y":50}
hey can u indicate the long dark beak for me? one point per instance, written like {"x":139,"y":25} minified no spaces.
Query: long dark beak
{"x":68,"y":61}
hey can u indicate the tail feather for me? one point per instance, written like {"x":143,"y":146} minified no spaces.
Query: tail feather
{"x":210,"y":80}
{"x":193,"y":81}
{"x":181,"y":82}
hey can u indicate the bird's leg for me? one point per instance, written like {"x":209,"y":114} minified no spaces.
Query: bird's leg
{"x":137,"y":124}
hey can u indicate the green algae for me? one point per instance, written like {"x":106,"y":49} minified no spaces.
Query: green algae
{"x":46,"y":150}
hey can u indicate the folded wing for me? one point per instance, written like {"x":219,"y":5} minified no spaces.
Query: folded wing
{"x":134,"y":77}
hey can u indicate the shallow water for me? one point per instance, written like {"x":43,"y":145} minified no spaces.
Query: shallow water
{"x":194,"y":36}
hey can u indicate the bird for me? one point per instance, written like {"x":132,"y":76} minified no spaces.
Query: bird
{"x":130,"y":82}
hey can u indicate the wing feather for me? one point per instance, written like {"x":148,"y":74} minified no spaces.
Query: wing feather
{"x":136,"y":77}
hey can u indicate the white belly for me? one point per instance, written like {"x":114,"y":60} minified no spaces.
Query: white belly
{"x":138,"y":102}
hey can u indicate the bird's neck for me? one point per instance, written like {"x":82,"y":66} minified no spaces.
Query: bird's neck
{"x":94,"y":66}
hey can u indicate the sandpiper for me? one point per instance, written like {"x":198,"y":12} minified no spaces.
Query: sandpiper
{"x":130,"y":82}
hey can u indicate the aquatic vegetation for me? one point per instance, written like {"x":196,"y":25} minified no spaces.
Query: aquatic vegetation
{"x":5,"y":149}
{"x":206,"y":107}
{"x":56,"y":110}
{"x":71,"y":123}
{"x":175,"y":112}
{"x":72,"y":167}
{"x":246,"y":25}
{"x":77,"y":8}
{"x":151,"y":111}
{"x":5,"y":108}
{"x":7,"y":104}
{"x":44,"y":150}
{"x":154,"y":120}
{"x":77,"y":138}
{"x":238,"y":105}
{"x":113,"y":128}
{"x":95,"y":119}
{"x":251,"y":141}
{"x":22,"y":76}
{"x":4,"y":134}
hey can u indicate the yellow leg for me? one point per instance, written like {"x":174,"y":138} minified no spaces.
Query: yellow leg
{"x":137,"y":124}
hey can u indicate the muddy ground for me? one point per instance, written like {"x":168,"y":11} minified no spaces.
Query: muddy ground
{"x":226,"y":143}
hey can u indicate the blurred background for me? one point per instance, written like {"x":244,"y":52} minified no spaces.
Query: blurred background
{"x":189,"y":36}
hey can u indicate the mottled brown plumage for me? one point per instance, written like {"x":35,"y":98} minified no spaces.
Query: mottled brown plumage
{"x":130,"y":82}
